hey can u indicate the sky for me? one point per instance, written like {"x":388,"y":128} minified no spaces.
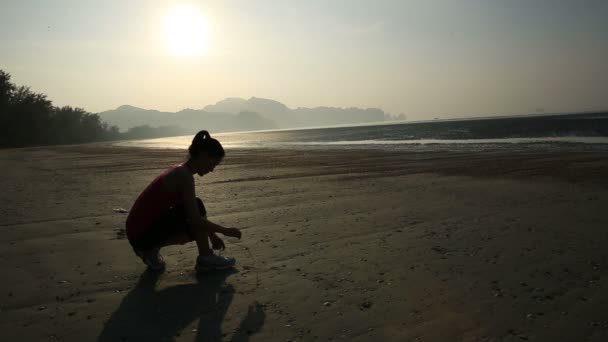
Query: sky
{"x":425,"y":59}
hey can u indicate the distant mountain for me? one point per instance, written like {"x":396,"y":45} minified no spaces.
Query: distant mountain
{"x":237,"y":114}
{"x":229,"y":105}
{"x":273,"y":110}
{"x":249,"y":121}
{"x":187,"y":121}
{"x":126,"y":117}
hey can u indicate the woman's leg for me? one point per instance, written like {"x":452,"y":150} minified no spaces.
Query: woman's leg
{"x":151,"y":256}
{"x":178,"y":239}
{"x":200,"y":234}
{"x":175,"y":229}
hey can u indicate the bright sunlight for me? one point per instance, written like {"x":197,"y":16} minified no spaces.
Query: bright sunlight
{"x":185,"y":32}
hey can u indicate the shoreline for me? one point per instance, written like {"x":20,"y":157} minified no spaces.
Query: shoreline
{"x":354,"y":245}
{"x":547,"y":144}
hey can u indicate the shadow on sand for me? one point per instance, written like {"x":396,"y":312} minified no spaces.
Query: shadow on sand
{"x":149,"y":315}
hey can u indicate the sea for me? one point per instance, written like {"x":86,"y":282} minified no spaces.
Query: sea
{"x":563,"y":132}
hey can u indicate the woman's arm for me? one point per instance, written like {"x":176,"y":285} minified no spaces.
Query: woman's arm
{"x":186,"y":189}
{"x":214,"y":227}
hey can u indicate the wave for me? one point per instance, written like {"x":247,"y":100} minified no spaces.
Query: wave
{"x":182,"y":142}
{"x":573,"y":139}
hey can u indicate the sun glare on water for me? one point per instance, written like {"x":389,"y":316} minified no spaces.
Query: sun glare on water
{"x":185,"y":32}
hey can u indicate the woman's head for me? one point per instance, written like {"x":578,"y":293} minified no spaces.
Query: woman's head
{"x":205,"y":152}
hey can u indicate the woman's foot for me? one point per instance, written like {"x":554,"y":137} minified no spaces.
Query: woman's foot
{"x":213,"y":262}
{"x":152,"y":259}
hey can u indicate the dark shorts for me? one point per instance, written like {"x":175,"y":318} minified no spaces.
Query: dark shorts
{"x":174,"y":222}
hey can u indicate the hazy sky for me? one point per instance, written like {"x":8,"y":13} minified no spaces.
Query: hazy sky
{"x":422,"y":58}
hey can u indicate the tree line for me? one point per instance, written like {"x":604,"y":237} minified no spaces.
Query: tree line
{"x":28,"y":118}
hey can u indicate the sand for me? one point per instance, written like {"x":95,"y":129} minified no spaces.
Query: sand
{"x":337,"y":245}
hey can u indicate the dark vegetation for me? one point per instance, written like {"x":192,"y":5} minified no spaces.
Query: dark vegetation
{"x":28,"y":118}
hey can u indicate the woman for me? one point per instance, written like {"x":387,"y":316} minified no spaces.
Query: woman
{"x":168,"y":212}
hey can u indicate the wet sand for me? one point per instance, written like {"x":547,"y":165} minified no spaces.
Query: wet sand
{"x":337,"y":245}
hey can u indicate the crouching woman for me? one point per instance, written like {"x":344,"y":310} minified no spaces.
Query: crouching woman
{"x":168,"y":212}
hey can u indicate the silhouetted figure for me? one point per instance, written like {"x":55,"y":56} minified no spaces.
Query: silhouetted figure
{"x":167,"y":212}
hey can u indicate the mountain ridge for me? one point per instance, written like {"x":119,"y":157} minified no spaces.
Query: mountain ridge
{"x":235,"y":113}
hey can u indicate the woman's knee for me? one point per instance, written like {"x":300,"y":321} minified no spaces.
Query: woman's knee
{"x":199,"y":231}
{"x":179,"y":239}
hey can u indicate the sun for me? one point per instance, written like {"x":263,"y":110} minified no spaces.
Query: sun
{"x":185,"y":32}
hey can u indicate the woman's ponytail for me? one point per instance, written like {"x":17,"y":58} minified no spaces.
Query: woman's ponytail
{"x":200,"y":136}
{"x":204,"y":142}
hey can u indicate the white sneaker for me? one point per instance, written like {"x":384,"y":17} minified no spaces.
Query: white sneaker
{"x":213,"y":262}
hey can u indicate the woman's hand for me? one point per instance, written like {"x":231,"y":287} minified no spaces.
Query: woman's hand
{"x":216,"y":242}
{"x":232,"y":232}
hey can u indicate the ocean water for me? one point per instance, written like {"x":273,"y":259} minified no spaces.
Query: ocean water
{"x":576,"y":132}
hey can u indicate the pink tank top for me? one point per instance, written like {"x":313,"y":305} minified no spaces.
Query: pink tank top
{"x":151,"y":204}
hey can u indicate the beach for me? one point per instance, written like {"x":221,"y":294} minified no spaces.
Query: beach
{"x":348,"y":245}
